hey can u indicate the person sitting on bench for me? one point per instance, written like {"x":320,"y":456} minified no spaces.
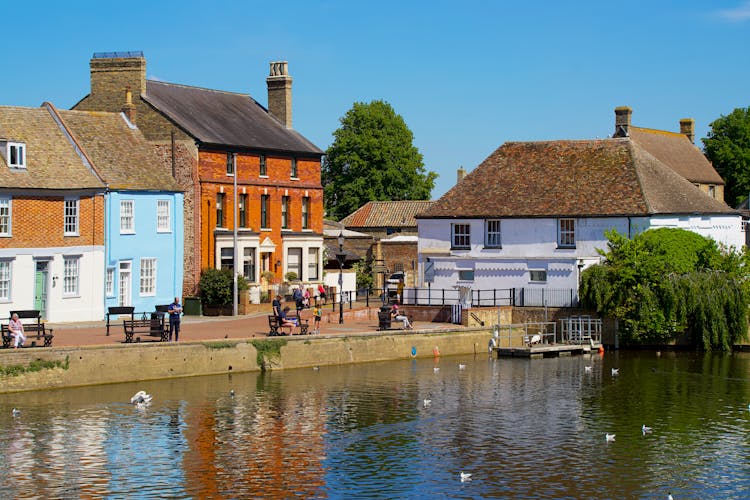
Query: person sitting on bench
{"x":400,"y":317}
{"x":284,"y":321}
{"x":15,"y":327}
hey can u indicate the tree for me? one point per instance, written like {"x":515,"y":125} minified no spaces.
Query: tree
{"x":665,"y":282}
{"x":372,"y":158}
{"x":728,"y":148}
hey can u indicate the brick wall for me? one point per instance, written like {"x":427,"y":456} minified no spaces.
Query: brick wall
{"x":403,"y":253}
{"x":37,"y":222}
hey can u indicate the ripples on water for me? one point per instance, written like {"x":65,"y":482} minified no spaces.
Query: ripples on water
{"x":523,"y":428}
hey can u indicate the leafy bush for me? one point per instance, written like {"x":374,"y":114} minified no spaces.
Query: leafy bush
{"x":291,"y":276}
{"x":216,"y":286}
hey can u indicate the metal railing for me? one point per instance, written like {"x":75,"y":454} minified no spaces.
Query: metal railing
{"x":544,"y":332}
{"x":580,"y":330}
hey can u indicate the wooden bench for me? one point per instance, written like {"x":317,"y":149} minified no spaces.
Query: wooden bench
{"x":275,"y":329}
{"x":119,"y":310}
{"x":153,"y":327}
{"x":37,"y":334}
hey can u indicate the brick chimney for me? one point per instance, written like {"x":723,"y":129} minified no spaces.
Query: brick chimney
{"x":111,"y":74}
{"x":687,"y":127}
{"x":460,"y":174}
{"x":622,"y":121}
{"x":280,"y":93}
{"x":129,"y":108}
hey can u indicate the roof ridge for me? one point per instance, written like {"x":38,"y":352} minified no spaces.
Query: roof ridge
{"x":195,"y":87}
{"x":659,"y":131}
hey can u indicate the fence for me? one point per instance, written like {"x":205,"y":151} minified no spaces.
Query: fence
{"x":525,"y":333}
{"x":581,"y":329}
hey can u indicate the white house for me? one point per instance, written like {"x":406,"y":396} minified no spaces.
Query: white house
{"x":532,"y":216}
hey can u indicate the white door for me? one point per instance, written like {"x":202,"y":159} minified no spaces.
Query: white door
{"x":124,"y":280}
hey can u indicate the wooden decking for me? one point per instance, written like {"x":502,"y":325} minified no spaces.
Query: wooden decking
{"x":542,"y":350}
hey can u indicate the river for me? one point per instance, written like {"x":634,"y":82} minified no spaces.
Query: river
{"x":522,"y":429}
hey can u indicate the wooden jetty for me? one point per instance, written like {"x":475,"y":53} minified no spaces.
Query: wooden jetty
{"x":543,"y":350}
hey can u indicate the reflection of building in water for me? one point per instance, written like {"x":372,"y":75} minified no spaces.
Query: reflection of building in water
{"x":269,"y":442}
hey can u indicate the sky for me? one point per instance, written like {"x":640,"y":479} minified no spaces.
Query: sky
{"x":466,"y":75}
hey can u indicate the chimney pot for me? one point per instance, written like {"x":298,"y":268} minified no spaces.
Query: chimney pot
{"x":280,"y":92}
{"x":460,"y":174}
{"x":129,"y":108}
{"x":687,"y":127}
{"x":622,"y":121}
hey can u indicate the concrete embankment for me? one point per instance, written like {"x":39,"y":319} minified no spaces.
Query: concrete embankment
{"x":91,"y":365}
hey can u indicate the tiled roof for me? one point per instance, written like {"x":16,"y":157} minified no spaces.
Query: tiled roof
{"x":51,"y":161}
{"x":676,"y":151}
{"x":386,"y":214}
{"x":120,"y":154}
{"x":609,"y":177}
{"x":225,"y":118}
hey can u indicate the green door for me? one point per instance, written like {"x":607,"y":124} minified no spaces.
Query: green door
{"x":40,"y":287}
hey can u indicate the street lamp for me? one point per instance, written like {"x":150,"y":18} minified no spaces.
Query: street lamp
{"x":341,"y":257}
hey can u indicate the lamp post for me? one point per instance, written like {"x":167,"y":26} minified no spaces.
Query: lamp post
{"x":341,"y":257}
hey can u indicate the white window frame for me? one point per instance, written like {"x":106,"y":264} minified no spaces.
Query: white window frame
{"x":71,"y":276}
{"x":285,"y":212}
{"x":109,"y":282}
{"x":6,"y":216}
{"x":566,"y":233}
{"x":230,"y":165}
{"x":306,"y":212}
{"x":493,"y":233}
{"x":541,"y":276}
{"x":6,"y":279}
{"x":147,"y":279}
{"x":127,"y":216}
{"x":290,"y":262}
{"x":465,"y":274}
{"x":313,"y":268}
{"x":71,"y":216}
{"x":18,"y":147}
{"x":163,"y":216}
{"x":262,"y":166}
{"x":294,"y":169}
{"x":460,"y":236}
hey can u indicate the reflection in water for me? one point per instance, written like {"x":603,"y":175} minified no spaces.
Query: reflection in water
{"x":522,"y":428}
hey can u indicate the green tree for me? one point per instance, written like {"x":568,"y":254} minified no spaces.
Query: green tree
{"x":372,"y":158}
{"x":665,"y":282}
{"x":728,"y":148}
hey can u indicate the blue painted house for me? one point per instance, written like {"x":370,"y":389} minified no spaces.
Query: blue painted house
{"x":143,"y":221}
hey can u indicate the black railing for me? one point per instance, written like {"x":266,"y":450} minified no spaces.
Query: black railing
{"x":520,"y":297}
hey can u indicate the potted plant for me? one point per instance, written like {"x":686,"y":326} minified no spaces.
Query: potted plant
{"x":216,"y":291}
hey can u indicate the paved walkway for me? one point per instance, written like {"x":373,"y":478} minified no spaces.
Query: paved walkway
{"x":252,"y":325}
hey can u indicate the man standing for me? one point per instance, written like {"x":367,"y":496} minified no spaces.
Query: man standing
{"x":277,"y":306}
{"x":175,"y":311}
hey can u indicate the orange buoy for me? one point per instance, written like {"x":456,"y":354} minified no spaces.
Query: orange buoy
{"x":601,"y":349}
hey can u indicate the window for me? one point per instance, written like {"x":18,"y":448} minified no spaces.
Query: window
{"x":71,"y":217}
{"x":230,"y":164}
{"x":109,"y":282}
{"x":263,"y":171}
{"x":466,"y":275}
{"x":312,"y":263}
{"x":537,"y":275}
{"x":243,"y":210}
{"x":71,"y":273}
{"x":264,"y":219}
{"x":16,"y":155}
{"x":712,"y":191}
{"x":294,"y":262}
{"x":127,"y":216}
{"x":248,"y":264}
{"x":284,"y":212}
{"x":567,"y":233}
{"x":220,"y":197}
{"x":5,"y":216}
{"x":492,"y":234}
{"x":294,"y":168}
{"x":163,"y":222}
{"x":148,"y":276}
{"x":461,"y":236}
{"x":306,"y":213}
{"x":227,"y":258}
{"x":5,"y":280}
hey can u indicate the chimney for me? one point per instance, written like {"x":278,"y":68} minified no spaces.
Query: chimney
{"x":460,"y":174}
{"x":129,"y":108}
{"x":687,"y":127}
{"x":280,"y":93}
{"x":111,"y":74}
{"x":622,"y":121}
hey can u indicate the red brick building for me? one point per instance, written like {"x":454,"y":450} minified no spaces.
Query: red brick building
{"x":212,"y":140}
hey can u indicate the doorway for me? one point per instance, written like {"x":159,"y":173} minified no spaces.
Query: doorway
{"x":124,"y":280}
{"x":41,"y":276}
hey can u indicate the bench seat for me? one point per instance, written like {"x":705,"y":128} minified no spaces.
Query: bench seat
{"x":152,"y":327}
{"x":37,"y":334}
{"x":275,"y":329}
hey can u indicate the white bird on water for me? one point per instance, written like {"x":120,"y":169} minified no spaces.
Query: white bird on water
{"x":436,"y":369}
{"x":645,"y":430}
{"x":461,"y":366}
{"x":140,"y":398}
{"x":426,"y":402}
{"x":669,"y":496}
{"x":609,"y":437}
{"x":587,"y":369}
{"x":465,"y":476}
{"x":615,"y":372}
{"x":16,"y":412}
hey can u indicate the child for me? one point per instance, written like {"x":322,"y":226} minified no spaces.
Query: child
{"x":317,"y":313}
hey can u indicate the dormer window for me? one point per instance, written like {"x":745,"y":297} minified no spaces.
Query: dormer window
{"x":16,"y":155}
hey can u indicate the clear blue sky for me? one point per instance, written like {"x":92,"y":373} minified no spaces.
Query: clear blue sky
{"x":465,"y":75}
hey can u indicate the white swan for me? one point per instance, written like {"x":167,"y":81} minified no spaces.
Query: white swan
{"x":461,"y":366}
{"x":587,"y":369}
{"x":140,"y":397}
{"x":465,"y":476}
{"x":609,"y":437}
{"x":436,"y":369}
{"x":645,"y":430}
{"x":426,"y":402}
{"x":615,"y":372}
{"x":16,"y":412}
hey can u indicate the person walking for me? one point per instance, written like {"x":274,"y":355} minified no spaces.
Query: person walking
{"x":317,"y":314}
{"x":322,"y":293}
{"x":15,"y":327}
{"x":175,"y":311}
